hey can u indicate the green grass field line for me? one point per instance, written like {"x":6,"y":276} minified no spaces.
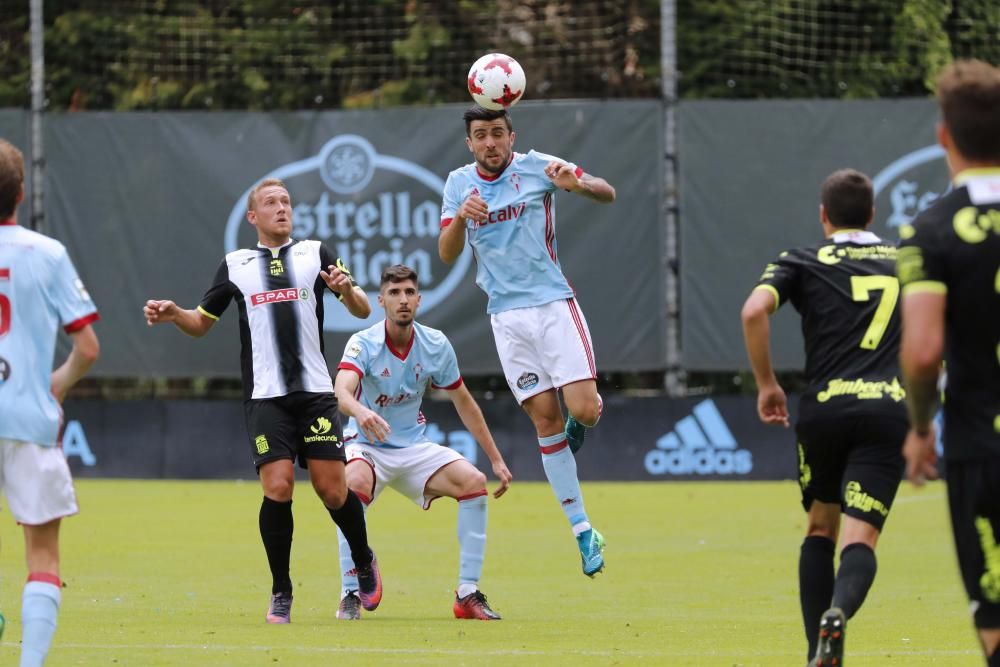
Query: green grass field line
{"x":173,"y":573}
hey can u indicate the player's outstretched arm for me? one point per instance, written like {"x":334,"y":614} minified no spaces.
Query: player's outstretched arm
{"x":588,"y":185}
{"x":772,"y":405}
{"x":920,"y":360}
{"x":85,"y":351}
{"x":193,"y":322}
{"x":371,"y":424}
{"x":470,"y":414}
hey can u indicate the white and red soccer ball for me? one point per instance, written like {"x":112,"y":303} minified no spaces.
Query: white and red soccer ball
{"x":496,"y":81}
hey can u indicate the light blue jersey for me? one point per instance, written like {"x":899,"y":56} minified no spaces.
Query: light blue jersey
{"x":39,"y":290}
{"x":393,"y":381}
{"x":515,"y":250}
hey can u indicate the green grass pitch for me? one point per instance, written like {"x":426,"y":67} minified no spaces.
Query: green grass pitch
{"x":173,"y":573}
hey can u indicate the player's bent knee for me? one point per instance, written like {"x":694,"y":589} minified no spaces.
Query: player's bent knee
{"x":475,"y":481}
{"x":333,"y":495}
{"x":588,"y":414}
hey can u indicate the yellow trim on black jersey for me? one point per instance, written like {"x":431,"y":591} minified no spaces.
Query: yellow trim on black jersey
{"x":207,"y":314}
{"x":967,"y":175}
{"x":772,"y":290}
{"x":925,"y":287}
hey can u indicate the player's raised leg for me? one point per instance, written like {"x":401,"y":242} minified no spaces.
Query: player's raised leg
{"x":584,"y":406}
{"x":573,"y":367}
{"x":560,"y":469}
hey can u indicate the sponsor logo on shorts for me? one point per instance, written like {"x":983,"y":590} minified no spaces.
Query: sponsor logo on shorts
{"x":262,"y":446}
{"x":321,"y":429}
{"x":855,"y":496}
{"x":527,"y":380}
{"x":863,"y":390}
{"x":4,"y":370}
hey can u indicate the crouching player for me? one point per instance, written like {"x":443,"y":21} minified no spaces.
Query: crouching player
{"x":382,"y":378}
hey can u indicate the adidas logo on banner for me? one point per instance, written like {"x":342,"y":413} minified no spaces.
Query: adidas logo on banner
{"x":700,"y":444}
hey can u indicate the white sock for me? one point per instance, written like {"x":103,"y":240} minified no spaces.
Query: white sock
{"x":466,"y":589}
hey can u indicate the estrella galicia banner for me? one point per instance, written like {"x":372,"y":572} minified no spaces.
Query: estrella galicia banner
{"x":750,"y":180}
{"x":642,"y":439}
{"x":148,"y":204}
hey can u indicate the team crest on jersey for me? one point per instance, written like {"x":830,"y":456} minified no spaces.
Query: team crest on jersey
{"x":527,"y":380}
{"x":515,"y":180}
{"x":4,"y":370}
{"x":371,"y":209}
{"x":276,"y":267}
{"x":418,"y":369}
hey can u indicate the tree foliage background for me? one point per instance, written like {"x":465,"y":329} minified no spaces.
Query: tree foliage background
{"x":276,"y":54}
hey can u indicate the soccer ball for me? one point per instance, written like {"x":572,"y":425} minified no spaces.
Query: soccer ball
{"x":496,"y":81}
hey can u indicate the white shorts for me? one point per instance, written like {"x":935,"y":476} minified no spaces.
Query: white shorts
{"x":543,"y":347}
{"x":36,"y":481}
{"x":406,"y":469}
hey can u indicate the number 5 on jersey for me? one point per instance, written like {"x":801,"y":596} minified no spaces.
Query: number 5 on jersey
{"x":861,"y":289}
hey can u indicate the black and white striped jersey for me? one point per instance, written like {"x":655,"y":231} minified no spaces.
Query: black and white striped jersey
{"x":279,"y":293}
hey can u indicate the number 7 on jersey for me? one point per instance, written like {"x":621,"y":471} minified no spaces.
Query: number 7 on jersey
{"x":861,"y":289}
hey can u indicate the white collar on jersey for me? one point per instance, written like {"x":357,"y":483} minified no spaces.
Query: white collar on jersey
{"x":275,"y":251}
{"x":856,"y":236}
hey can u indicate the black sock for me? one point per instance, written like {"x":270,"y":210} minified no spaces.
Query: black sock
{"x":854,"y":577}
{"x":276,"y":531}
{"x":815,"y":585}
{"x":351,"y":520}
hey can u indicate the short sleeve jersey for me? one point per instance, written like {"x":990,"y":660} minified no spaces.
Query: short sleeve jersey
{"x":953,"y":248}
{"x":279,"y":294}
{"x":846,"y":292}
{"x":39,"y":291}
{"x":393,"y":382}
{"x":515,"y":249}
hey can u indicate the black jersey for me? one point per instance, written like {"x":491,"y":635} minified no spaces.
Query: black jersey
{"x":953,"y":248}
{"x":279,"y":293}
{"x":846,"y":291}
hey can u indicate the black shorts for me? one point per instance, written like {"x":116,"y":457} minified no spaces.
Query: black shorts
{"x":855,"y":461}
{"x":975,"y":523}
{"x":301,"y":425}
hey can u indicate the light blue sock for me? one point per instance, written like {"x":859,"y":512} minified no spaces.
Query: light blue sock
{"x":560,"y":469}
{"x":39,"y":610}
{"x":471,"y":539}
{"x":348,"y":573}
